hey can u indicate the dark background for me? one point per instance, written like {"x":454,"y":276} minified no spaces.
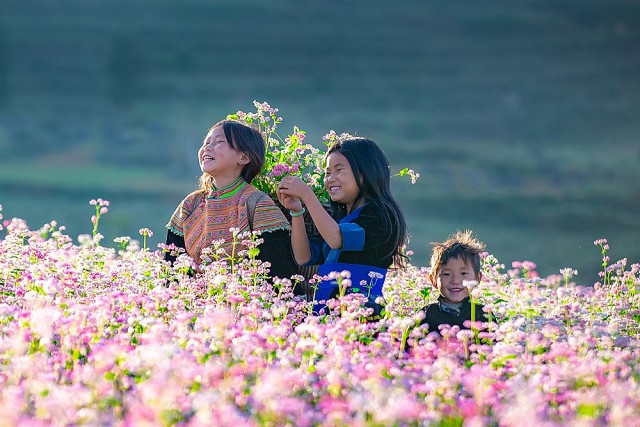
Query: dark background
{"x":522,"y":116}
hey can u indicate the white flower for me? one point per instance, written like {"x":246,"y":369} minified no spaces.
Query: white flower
{"x":568,"y":272}
{"x":470,"y":284}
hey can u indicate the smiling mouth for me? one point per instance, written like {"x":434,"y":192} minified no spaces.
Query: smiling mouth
{"x":334,"y":188}
{"x":206,"y":158}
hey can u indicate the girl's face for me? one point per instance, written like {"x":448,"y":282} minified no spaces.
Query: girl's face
{"x":451,"y":277}
{"x":340,"y":181}
{"x":217,"y":158}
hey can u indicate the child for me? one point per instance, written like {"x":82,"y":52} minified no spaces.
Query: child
{"x":452,"y":263}
{"x":365,"y":231}
{"x":232,"y":154}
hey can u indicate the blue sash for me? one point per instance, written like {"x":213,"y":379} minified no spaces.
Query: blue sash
{"x":365,"y":279}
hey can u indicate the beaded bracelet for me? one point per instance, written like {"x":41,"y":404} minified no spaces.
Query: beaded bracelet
{"x":294,"y":214}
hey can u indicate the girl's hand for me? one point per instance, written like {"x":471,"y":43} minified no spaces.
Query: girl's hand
{"x":291,"y":203}
{"x":294,"y":187}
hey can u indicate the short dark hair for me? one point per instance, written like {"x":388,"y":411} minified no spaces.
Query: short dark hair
{"x":245,"y":139}
{"x":462,"y":245}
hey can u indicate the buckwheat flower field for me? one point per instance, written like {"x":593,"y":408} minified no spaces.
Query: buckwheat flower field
{"x":107,"y":333}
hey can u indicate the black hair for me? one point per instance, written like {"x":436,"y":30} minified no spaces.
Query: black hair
{"x":372,"y":172}
{"x":242,"y":138}
{"x":461,"y":245}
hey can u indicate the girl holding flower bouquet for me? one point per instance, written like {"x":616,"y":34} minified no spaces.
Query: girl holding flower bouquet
{"x":365,"y":231}
{"x":231,"y":156}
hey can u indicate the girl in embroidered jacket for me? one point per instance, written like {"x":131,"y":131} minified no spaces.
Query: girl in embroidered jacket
{"x":365,"y":226}
{"x":231,"y":155}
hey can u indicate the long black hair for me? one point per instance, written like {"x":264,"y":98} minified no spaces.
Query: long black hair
{"x":372,"y":172}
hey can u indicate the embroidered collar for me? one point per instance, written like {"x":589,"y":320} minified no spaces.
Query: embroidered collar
{"x":228,"y":191}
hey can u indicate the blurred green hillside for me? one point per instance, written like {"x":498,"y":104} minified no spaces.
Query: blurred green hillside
{"x":522,"y":116}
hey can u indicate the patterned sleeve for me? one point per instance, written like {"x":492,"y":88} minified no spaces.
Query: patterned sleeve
{"x":269,"y":217}
{"x":182,"y":212}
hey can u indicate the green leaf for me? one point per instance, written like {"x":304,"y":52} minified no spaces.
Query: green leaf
{"x":589,"y":410}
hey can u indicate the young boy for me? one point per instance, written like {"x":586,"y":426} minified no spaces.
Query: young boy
{"x":452,"y":263}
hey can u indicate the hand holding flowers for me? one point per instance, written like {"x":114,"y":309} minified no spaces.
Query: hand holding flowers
{"x":292,"y":191}
{"x":284,"y":156}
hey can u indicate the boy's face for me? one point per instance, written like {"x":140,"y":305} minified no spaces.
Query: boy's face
{"x":449,"y":280}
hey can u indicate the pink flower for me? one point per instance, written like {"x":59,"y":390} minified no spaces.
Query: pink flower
{"x":145,"y":232}
{"x":280,"y":169}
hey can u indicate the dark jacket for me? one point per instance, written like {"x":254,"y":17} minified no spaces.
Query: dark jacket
{"x":436,"y":316}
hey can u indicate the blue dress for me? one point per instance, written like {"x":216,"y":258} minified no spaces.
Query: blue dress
{"x":368,"y":243}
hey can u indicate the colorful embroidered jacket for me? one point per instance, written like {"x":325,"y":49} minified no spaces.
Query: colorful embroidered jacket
{"x":200,"y":219}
